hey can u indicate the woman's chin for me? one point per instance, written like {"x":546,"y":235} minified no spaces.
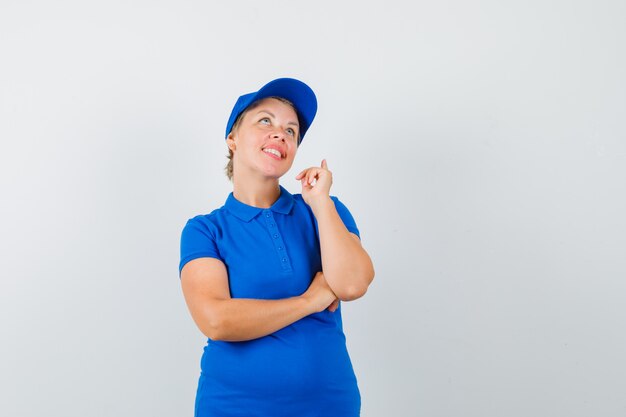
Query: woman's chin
{"x":274,"y":171}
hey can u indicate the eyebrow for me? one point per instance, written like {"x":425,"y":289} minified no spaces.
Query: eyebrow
{"x":272,"y":114}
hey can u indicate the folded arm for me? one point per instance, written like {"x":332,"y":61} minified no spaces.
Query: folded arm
{"x":205,"y":287}
{"x":347,"y":266}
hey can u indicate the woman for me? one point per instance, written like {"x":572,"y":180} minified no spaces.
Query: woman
{"x":263,"y":275}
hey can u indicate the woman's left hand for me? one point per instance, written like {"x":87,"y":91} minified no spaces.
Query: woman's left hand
{"x":316,"y":182}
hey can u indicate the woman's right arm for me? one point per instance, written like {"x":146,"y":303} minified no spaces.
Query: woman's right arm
{"x":205,"y":287}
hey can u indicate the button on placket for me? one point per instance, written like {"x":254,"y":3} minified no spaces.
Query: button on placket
{"x":279,"y":245}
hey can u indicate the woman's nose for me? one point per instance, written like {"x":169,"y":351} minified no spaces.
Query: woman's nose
{"x":279,"y":134}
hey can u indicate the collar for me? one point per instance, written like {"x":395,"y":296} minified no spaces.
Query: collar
{"x":246,"y":213}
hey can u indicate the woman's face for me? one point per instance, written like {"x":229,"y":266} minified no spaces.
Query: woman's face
{"x":266,"y":139}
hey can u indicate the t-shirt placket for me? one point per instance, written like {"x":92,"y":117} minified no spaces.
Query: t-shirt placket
{"x":277,"y":240}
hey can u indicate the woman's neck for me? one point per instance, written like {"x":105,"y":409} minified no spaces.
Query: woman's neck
{"x":256,"y":192}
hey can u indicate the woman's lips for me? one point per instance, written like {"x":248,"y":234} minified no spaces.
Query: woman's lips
{"x":271,"y":155}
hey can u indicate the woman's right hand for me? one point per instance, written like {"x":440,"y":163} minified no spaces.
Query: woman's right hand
{"x":319,"y":294}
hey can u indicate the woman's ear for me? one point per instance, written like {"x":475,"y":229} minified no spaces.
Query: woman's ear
{"x":230,"y":142}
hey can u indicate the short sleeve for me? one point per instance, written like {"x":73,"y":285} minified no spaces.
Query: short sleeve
{"x":346,"y":216}
{"x":196,"y":241}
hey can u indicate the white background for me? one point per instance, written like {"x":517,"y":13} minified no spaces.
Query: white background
{"x":480,"y":146}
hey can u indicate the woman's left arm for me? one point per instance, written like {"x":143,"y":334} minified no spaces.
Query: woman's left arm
{"x":347,"y":267}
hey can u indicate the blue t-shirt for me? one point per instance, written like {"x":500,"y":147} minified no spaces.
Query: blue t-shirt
{"x":301,"y":370}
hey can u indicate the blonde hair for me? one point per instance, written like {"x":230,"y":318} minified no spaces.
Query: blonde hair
{"x":228,"y":169}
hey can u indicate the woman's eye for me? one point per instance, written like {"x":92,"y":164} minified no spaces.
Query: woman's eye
{"x":265,"y":120}
{"x":291,"y":132}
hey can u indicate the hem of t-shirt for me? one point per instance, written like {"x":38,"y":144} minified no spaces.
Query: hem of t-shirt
{"x":189,"y":258}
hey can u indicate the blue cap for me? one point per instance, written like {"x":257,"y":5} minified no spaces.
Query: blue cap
{"x":297,"y":92}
